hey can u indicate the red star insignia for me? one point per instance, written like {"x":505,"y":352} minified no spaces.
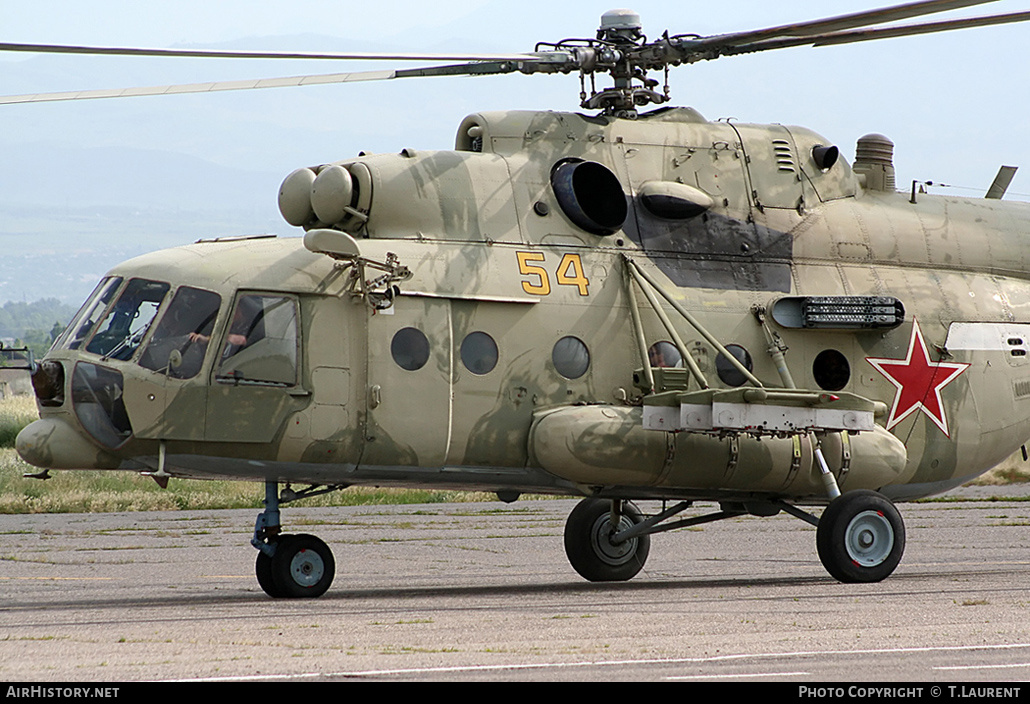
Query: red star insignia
{"x":919,"y":382}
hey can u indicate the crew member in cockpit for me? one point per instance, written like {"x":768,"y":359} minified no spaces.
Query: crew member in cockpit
{"x":237,"y":337}
{"x":189,"y":320}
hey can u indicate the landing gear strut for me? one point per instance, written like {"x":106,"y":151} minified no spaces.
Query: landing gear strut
{"x":289,"y":566}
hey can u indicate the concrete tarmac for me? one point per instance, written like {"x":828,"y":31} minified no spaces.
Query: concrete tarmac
{"x":484,"y":592}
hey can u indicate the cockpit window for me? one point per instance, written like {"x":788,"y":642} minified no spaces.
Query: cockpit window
{"x":119,"y":334}
{"x":86,"y":319}
{"x":180,"y":341}
{"x":260,"y":346}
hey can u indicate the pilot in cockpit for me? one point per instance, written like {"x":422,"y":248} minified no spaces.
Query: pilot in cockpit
{"x":185,"y":328}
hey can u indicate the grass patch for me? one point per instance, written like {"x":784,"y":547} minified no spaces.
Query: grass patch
{"x":967,"y":500}
{"x":105,"y":491}
{"x":1012,"y":471}
{"x":15,"y":413}
{"x":99,"y":491}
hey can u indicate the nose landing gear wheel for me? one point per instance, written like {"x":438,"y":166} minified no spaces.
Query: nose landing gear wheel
{"x":301,"y":568}
{"x":860,"y":537}
{"x":263,"y":569}
{"x":588,"y":544}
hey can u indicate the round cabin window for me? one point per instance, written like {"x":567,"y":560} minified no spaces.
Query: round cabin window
{"x":664,"y":354}
{"x":410,"y":349}
{"x":730,"y":375}
{"x":831,"y":370}
{"x":479,"y":353}
{"x":571,"y":357}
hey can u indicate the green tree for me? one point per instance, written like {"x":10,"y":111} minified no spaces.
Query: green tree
{"x":18,"y":318}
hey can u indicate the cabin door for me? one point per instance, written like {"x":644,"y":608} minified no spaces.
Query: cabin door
{"x":256,"y":374}
{"x":409,"y":399}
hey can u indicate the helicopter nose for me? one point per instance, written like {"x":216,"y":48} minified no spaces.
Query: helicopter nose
{"x":52,"y":443}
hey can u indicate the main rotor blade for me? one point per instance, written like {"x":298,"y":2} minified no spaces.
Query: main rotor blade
{"x":927,"y":28}
{"x":197,"y":87}
{"x":836,"y":24}
{"x":234,"y":54}
{"x":478,"y":68}
{"x":864,"y":35}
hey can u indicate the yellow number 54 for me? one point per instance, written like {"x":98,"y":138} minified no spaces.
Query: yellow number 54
{"x":569,"y":273}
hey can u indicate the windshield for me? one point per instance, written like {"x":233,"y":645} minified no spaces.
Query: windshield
{"x":84,"y":321}
{"x":120,"y":332}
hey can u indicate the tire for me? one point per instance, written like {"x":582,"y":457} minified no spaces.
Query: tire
{"x":302,"y":567}
{"x":588,"y":546}
{"x":263,"y":569}
{"x":860,"y":537}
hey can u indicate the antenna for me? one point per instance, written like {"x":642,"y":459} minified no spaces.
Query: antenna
{"x":1001,"y":182}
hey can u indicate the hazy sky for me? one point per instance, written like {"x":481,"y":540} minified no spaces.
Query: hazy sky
{"x":166,"y":22}
{"x":163,"y":23}
{"x":954,"y":103}
{"x":961,"y":93}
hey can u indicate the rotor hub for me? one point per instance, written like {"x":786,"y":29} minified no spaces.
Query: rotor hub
{"x":621,"y":50}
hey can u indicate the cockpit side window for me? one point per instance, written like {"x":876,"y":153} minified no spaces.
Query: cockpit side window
{"x":123,"y":328}
{"x":260,"y":346}
{"x":183,"y":334}
{"x":86,"y":319}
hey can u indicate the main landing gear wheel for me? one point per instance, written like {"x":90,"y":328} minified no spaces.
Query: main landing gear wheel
{"x":301,"y":568}
{"x":860,"y":537}
{"x":588,"y":544}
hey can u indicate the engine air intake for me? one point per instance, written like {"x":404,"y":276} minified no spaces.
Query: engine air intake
{"x":590,"y":195}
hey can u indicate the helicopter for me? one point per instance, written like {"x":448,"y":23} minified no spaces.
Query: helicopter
{"x":626,"y":304}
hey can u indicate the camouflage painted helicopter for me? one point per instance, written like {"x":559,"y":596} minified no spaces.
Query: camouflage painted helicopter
{"x":615,"y":305}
